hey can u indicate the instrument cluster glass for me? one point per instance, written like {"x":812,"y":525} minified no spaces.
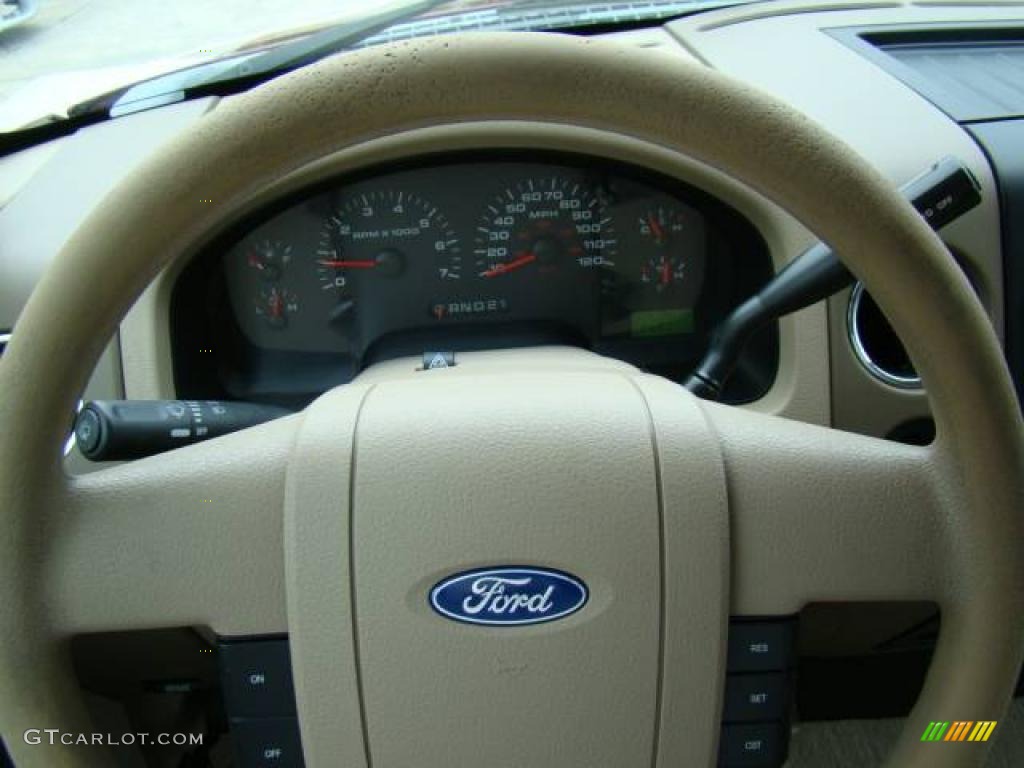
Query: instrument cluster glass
{"x":465,"y":253}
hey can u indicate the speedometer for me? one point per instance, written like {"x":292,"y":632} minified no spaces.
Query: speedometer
{"x":544,"y":226}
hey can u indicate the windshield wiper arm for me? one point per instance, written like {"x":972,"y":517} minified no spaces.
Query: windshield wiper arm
{"x":250,"y":67}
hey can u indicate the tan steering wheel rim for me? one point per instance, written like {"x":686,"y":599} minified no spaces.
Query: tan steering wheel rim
{"x":974,"y":471}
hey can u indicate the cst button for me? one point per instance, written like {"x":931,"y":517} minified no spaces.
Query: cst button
{"x":760,"y":745}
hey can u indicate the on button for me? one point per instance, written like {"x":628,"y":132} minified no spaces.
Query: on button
{"x":257,"y":678}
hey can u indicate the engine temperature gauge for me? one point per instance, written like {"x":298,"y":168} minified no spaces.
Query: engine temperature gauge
{"x":275,"y":304}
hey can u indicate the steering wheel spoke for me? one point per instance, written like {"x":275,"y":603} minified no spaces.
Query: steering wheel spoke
{"x":188,"y":537}
{"x":818,"y":514}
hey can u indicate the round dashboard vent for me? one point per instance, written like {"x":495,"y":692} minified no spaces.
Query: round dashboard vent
{"x":875,"y":343}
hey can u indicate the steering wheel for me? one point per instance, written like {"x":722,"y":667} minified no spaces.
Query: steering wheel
{"x":333,"y":524}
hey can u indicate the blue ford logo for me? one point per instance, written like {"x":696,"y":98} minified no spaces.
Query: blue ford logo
{"x":508,"y":596}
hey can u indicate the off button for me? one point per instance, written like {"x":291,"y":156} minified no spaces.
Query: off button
{"x":267,"y":743}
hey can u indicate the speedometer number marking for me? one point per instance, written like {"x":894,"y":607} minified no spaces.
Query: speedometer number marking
{"x":542,"y":225}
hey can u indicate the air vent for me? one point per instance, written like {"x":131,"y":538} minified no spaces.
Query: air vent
{"x":875,"y":343}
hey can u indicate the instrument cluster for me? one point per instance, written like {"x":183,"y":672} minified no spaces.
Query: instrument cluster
{"x":460,"y":253}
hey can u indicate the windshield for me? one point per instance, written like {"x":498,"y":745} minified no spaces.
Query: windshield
{"x":55,"y":54}
{"x":68,"y":44}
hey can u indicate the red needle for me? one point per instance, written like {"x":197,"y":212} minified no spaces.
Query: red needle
{"x":666,"y":275}
{"x":276,"y":305}
{"x":659,"y":233}
{"x":364,"y":264}
{"x":501,"y":269}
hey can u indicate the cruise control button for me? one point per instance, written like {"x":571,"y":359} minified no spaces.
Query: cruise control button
{"x":267,"y":743}
{"x":760,"y":745}
{"x":760,"y":646}
{"x":755,"y":697}
{"x":257,"y":678}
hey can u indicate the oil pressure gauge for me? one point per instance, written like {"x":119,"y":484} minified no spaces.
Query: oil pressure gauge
{"x":268,"y":259}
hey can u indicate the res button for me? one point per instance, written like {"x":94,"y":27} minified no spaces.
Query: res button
{"x":760,"y":646}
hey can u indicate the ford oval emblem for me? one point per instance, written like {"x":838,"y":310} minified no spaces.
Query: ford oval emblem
{"x":506,"y":597}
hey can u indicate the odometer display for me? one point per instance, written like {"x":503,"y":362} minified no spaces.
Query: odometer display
{"x":544,"y":226}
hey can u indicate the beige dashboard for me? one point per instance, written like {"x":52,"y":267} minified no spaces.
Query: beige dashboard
{"x":782,"y":48}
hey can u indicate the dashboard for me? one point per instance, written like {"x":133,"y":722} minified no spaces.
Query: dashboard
{"x":190,"y":336}
{"x":320,"y":285}
{"x":467,"y":252}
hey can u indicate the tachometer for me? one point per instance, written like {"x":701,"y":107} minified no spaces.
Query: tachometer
{"x":543,"y":225}
{"x":375,"y":235}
